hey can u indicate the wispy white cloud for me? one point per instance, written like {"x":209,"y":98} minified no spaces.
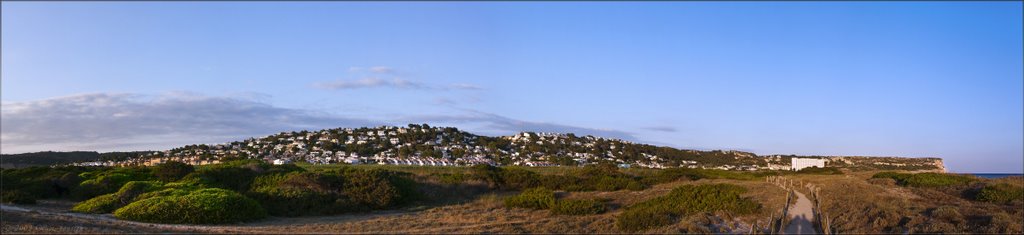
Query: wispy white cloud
{"x":372,"y":70}
{"x":371,"y":82}
{"x":464,"y":86}
{"x":126,"y":121}
{"x":386,"y":77}
{"x":661,"y":128}
{"x":112,"y":121}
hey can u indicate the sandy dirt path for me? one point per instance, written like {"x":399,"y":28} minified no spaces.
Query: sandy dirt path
{"x":801,"y":215}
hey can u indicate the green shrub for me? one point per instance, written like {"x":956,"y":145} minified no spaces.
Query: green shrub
{"x":41,"y":182}
{"x":226,"y":176}
{"x":1000,"y":193}
{"x":293,"y":194}
{"x":109,"y":202}
{"x":108,"y":181}
{"x":891,"y":175}
{"x":534,"y":198}
{"x":450,"y":178}
{"x":644,"y":217}
{"x":685,"y":200}
{"x":562,"y":182}
{"x":283,"y":168}
{"x":593,"y":178}
{"x":172,"y":171}
{"x":371,"y":188}
{"x":98,"y":205}
{"x":578,"y":207}
{"x":936,"y":180}
{"x":925,"y":179}
{"x":609,"y":183}
{"x":487,"y":173}
{"x":673,"y":174}
{"x":17,"y":197}
{"x":518,"y":178}
{"x":332,"y":192}
{"x":204,"y":206}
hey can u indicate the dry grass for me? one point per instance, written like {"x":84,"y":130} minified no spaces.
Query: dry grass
{"x":857,"y":204}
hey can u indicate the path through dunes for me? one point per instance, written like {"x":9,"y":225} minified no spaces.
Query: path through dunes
{"x":801,"y":215}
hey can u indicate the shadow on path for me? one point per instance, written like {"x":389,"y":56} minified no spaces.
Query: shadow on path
{"x":801,"y":215}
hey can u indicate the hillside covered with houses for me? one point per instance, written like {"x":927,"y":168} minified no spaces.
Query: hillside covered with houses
{"x":417,"y":144}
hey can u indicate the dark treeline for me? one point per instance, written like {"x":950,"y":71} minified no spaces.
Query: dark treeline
{"x":47,"y":158}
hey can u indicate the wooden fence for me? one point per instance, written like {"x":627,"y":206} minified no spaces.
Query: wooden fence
{"x":821,"y":222}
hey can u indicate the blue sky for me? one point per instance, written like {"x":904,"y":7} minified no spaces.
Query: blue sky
{"x":916,"y":79}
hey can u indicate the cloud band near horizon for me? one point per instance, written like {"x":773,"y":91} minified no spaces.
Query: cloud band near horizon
{"x":127,"y":121}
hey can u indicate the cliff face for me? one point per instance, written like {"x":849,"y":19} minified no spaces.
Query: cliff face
{"x":938,"y":162}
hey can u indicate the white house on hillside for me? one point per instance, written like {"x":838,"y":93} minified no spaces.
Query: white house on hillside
{"x":801,"y":163}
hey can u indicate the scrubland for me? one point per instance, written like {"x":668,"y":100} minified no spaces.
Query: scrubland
{"x":483,"y":199}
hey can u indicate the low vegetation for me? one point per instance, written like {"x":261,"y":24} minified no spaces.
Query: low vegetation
{"x":172,"y":171}
{"x":821,"y":171}
{"x":203,"y":206}
{"x":534,"y":198}
{"x":107,"y":203}
{"x":26,"y":185}
{"x":1000,"y":193}
{"x":247,"y":190}
{"x":332,"y":192}
{"x":925,"y":179}
{"x":99,"y":182}
{"x":578,"y":207}
{"x":542,"y":198}
{"x":683,"y":201}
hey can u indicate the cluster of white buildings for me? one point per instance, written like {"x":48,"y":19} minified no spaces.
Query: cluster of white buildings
{"x":433,"y":146}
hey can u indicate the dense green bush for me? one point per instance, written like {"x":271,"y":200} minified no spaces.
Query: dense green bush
{"x":534,"y":198}
{"x":101,"y":182}
{"x":685,"y":200}
{"x":593,"y":178}
{"x":518,"y":178}
{"x":204,"y":206}
{"x":98,"y":205}
{"x":589,"y":178}
{"x":925,"y":179}
{"x":1000,"y":193}
{"x":562,"y":182}
{"x":371,"y":188}
{"x":487,"y":173}
{"x":578,"y":207}
{"x":609,"y":183}
{"x":450,"y":178}
{"x":172,"y":171}
{"x":891,"y":175}
{"x":109,"y":202}
{"x":332,"y":192}
{"x":295,"y":194}
{"x":936,"y":180}
{"x":231,"y":177}
{"x":17,"y":197}
{"x":41,"y":182}
{"x":673,"y":174}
